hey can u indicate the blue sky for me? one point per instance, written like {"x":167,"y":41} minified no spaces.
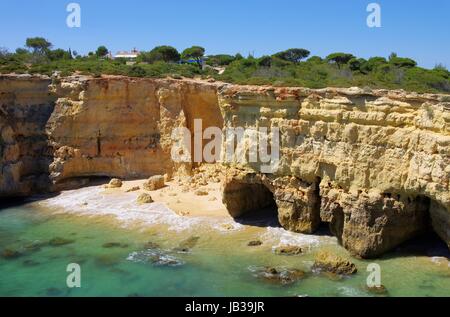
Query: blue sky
{"x":415,"y":28}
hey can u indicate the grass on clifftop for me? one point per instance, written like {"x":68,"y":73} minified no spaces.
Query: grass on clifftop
{"x":287,"y":68}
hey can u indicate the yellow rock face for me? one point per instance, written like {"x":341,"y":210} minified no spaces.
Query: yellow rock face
{"x":122,"y":127}
{"x":25,"y":106}
{"x":373,"y":164}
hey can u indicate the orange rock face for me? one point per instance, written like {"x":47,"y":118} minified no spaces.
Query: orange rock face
{"x":122,"y":127}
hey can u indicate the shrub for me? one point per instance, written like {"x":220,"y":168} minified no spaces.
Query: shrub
{"x":340,"y":58}
{"x":294,"y":55}
{"x":402,"y":62}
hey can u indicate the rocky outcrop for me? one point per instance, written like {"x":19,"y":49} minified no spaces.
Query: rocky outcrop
{"x":373,"y":164}
{"x":25,"y":106}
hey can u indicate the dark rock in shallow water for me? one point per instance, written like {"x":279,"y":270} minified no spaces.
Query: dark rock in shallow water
{"x":187,"y":244}
{"x":327,"y":262}
{"x":30,"y":263}
{"x":254,"y":243}
{"x":282,"y":276}
{"x":53,"y":292}
{"x":57,"y":242}
{"x":110,"y":245}
{"x":378,"y":290}
{"x":107,"y":260}
{"x":10,"y":254}
{"x":35,"y":246}
{"x":288,"y":250}
{"x":151,"y":245}
{"x":332,"y":276}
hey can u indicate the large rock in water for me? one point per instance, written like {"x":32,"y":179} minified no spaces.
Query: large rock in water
{"x":331,"y":263}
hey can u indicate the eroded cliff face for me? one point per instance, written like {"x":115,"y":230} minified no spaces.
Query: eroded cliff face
{"x":375,"y":165}
{"x":122,"y":127}
{"x":25,"y":106}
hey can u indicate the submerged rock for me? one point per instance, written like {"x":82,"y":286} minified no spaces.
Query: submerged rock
{"x":30,"y":263}
{"x":35,"y":246}
{"x":154,"y":183}
{"x":378,"y":290}
{"x":57,"y":242}
{"x":187,"y":244}
{"x":255,"y":243}
{"x":54,"y":292}
{"x":331,"y":263}
{"x":11,"y":254}
{"x":288,"y":250}
{"x":107,"y":260}
{"x":151,"y":245}
{"x":283,"y":276}
{"x":145,"y":199}
{"x":110,"y":245}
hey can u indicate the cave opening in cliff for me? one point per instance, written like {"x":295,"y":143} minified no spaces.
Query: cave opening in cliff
{"x":325,"y":228}
{"x":426,"y":242}
{"x":261,"y":209}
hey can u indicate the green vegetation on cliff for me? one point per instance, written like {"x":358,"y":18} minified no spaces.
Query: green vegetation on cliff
{"x":287,"y":68}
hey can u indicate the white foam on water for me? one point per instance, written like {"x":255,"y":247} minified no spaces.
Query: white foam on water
{"x":278,"y":236}
{"x":227,"y":226}
{"x":93,"y":201}
{"x":440,"y":260}
{"x":350,"y":291}
{"x":155,"y":257}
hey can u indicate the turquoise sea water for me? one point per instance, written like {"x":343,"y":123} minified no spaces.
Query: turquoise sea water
{"x":218,"y":262}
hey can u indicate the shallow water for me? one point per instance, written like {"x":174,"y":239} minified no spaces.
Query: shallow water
{"x":219,"y":263}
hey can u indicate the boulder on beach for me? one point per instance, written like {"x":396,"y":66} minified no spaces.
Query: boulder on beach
{"x":331,"y":263}
{"x":154,"y":183}
{"x":144,"y":199}
{"x":133,"y":189}
{"x":115,"y":183}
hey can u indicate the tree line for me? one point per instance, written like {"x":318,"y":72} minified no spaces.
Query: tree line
{"x":293,"y":67}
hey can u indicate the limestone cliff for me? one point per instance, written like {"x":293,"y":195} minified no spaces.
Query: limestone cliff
{"x":375,"y":165}
{"x":121,"y":127}
{"x":25,"y":106}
